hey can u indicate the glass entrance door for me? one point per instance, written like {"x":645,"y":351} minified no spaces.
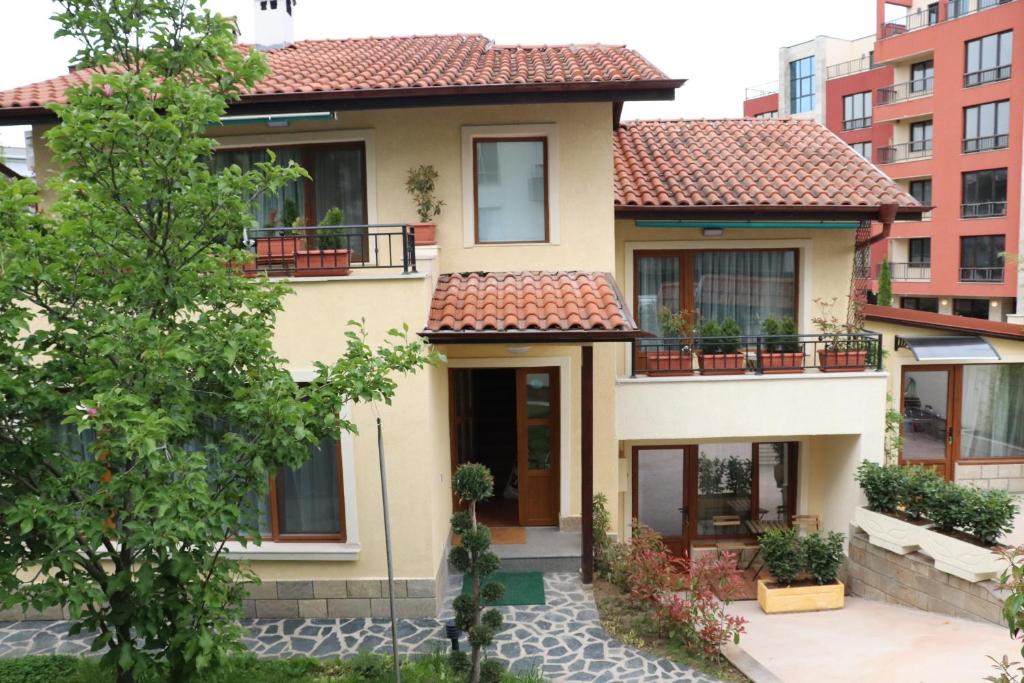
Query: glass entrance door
{"x":659,"y":478}
{"x":926,"y":406}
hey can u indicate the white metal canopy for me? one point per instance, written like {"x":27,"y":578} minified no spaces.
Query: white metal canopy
{"x":948,"y":348}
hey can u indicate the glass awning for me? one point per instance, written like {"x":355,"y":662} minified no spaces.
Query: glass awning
{"x":947,"y":348}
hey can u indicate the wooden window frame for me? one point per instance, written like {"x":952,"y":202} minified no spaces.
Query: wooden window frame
{"x":686,"y":275}
{"x":276,"y":507}
{"x":543,"y":139}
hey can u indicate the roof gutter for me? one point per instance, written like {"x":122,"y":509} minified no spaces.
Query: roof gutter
{"x":755,"y":212}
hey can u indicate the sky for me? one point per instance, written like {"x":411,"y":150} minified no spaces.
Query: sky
{"x":719,"y":46}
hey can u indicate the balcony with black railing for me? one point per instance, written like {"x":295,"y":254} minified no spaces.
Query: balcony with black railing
{"x":331,"y":250}
{"x":983,"y":210}
{"x":904,"y":151}
{"x":916,"y":271}
{"x":854,"y":124}
{"x":757,"y":354}
{"x":981,"y":274}
{"x":985,"y":143}
{"x":929,"y":16}
{"x":907,"y":90}
{"x":996,"y":73}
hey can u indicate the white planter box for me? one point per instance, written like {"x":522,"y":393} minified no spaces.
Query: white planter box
{"x":968,"y":561}
{"x":887,"y":532}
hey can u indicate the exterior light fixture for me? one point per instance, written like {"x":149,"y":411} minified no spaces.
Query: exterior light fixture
{"x":713,"y":232}
{"x":944,"y":302}
{"x":517,"y":349}
{"x":995,"y":304}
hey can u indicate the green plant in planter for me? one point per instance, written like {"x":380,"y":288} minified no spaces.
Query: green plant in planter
{"x":882,"y":485}
{"x":780,"y":549}
{"x":947,"y":507}
{"x":715,"y":337}
{"x":332,"y":240}
{"x":916,"y":485}
{"x":822,"y":556}
{"x":674,"y":324}
{"x":784,"y":332}
{"x":834,"y":331}
{"x":473,"y":483}
{"x":990,"y":513}
{"x":421,"y":183}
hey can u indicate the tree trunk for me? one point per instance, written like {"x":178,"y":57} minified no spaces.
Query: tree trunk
{"x":474,"y":669}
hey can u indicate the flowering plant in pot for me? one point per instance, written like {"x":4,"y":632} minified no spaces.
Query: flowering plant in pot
{"x":782,"y":351}
{"x":330,"y":257}
{"x":842,"y":350}
{"x":719,"y":348}
{"x":421,"y":183}
{"x":673,"y":353}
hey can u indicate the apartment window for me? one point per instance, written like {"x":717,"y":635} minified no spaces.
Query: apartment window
{"x":987,"y":126}
{"x":988,"y":59}
{"x":984,"y":194}
{"x":745,"y":286}
{"x":920,"y":138}
{"x":801,"y":85}
{"x":307,"y":503}
{"x":933,"y":13}
{"x":922,"y":76}
{"x":981,"y":258}
{"x":857,"y":111}
{"x":971,"y":308}
{"x":862,"y":148}
{"x":920,"y":251}
{"x":767,"y":115}
{"x":920,"y":303}
{"x":921,"y":190}
{"x":338,"y":179}
{"x":510,"y":190}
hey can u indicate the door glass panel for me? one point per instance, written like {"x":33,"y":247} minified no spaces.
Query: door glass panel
{"x":925,"y":394}
{"x":538,"y":445}
{"x":992,"y":411}
{"x":724,"y":482}
{"x":774,"y":486}
{"x":660,"y":490}
{"x":538,"y":394}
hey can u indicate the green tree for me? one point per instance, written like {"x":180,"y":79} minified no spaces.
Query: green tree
{"x":142,"y":405}
{"x":884,"y":284}
{"x":473,"y":483}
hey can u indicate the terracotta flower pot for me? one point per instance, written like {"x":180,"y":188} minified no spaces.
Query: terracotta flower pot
{"x":322,"y":262}
{"x":782,"y":362}
{"x":425,"y":233}
{"x":853,"y":360}
{"x":665,"y":362}
{"x":722,"y":363}
{"x":277,"y":249}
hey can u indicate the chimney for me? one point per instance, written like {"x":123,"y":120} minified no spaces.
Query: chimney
{"x":274,"y":23}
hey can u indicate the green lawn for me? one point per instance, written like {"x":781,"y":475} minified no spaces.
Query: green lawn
{"x":364,"y":668}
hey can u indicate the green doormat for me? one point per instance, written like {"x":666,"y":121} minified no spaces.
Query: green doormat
{"x":521,"y":588}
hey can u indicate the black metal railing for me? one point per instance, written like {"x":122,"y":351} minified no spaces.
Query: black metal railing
{"x":853,"y":66}
{"x":331,"y":250}
{"x":996,"y":73}
{"x":904,"y":151}
{"x":961,"y":8}
{"x":983,"y":144}
{"x":983,"y":210}
{"x":912,"y":21}
{"x":907,"y":90}
{"x":909,"y":271}
{"x":754,"y":91}
{"x":757,"y":354}
{"x":854,"y":124}
{"x":981,"y":274}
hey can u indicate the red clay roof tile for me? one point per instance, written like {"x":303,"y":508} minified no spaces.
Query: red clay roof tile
{"x":364,"y":66}
{"x":744,"y":162}
{"x":528,"y":302}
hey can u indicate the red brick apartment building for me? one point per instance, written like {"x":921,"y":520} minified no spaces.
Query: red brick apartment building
{"x":935,"y":99}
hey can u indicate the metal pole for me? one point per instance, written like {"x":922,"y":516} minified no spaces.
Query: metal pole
{"x":387,"y":547}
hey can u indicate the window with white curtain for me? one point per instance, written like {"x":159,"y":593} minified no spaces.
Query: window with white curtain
{"x":510,"y":190}
{"x":992,"y":411}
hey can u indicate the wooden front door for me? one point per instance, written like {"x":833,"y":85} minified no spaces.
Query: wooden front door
{"x":927,"y":404}
{"x":537,"y":440}
{"x":660,"y":493}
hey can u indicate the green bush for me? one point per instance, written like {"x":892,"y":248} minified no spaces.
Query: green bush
{"x":915,"y":487}
{"x":719,"y":337}
{"x":822,"y":556}
{"x":990,"y":514}
{"x":780,"y":549}
{"x":947,"y":508}
{"x":784,"y":332}
{"x":882,"y":485}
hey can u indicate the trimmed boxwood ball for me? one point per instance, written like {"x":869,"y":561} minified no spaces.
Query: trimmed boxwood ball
{"x":473,"y":482}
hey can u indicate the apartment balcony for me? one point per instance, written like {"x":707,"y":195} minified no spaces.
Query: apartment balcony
{"x":856,"y":124}
{"x":985,"y":144}
{"x":331,"y":251}
{"x":762,"y":90}
{"x":983,"y":210}
{"x":993,"y":75}
{"x":907,"y":90}
{"x":909,"y":272}
{"x":992,"y":274}
{"x":850,"y":67}
{"x":929,"y":16}
{"x":904,"y":151}
{"x":756,"y":355}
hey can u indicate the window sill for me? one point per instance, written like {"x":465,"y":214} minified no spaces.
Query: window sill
{"x":324,"y":551}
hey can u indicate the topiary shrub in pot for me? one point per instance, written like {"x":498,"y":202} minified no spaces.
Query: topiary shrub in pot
{"x":421,"y":183}
{"x":673,"y":354}
{"x":719,"y":348}
{"x":781,"y":352}
{"x":785,"y":555}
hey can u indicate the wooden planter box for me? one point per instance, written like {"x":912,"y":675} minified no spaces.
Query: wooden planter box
{"x":842,"y":361}
{"x":665,"y":363}
{"x":277,"y":249}
{"x":799,"y":598}
{"x":424,"y":233}
{"x":781,"y":362}
{"x":960,"y":558}
{"x":722,"y":363}
{"x":322,"y":262}
{"x":885,"y":531}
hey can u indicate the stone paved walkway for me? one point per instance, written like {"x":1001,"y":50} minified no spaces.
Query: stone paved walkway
{"x":563,"y":638}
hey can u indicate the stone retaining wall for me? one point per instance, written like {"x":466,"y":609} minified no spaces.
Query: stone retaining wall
{"x":912,"y":580}
{"x":1007,"y":477}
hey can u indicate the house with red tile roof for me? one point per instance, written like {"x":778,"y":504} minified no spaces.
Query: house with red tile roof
{"x":626,"y":307}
